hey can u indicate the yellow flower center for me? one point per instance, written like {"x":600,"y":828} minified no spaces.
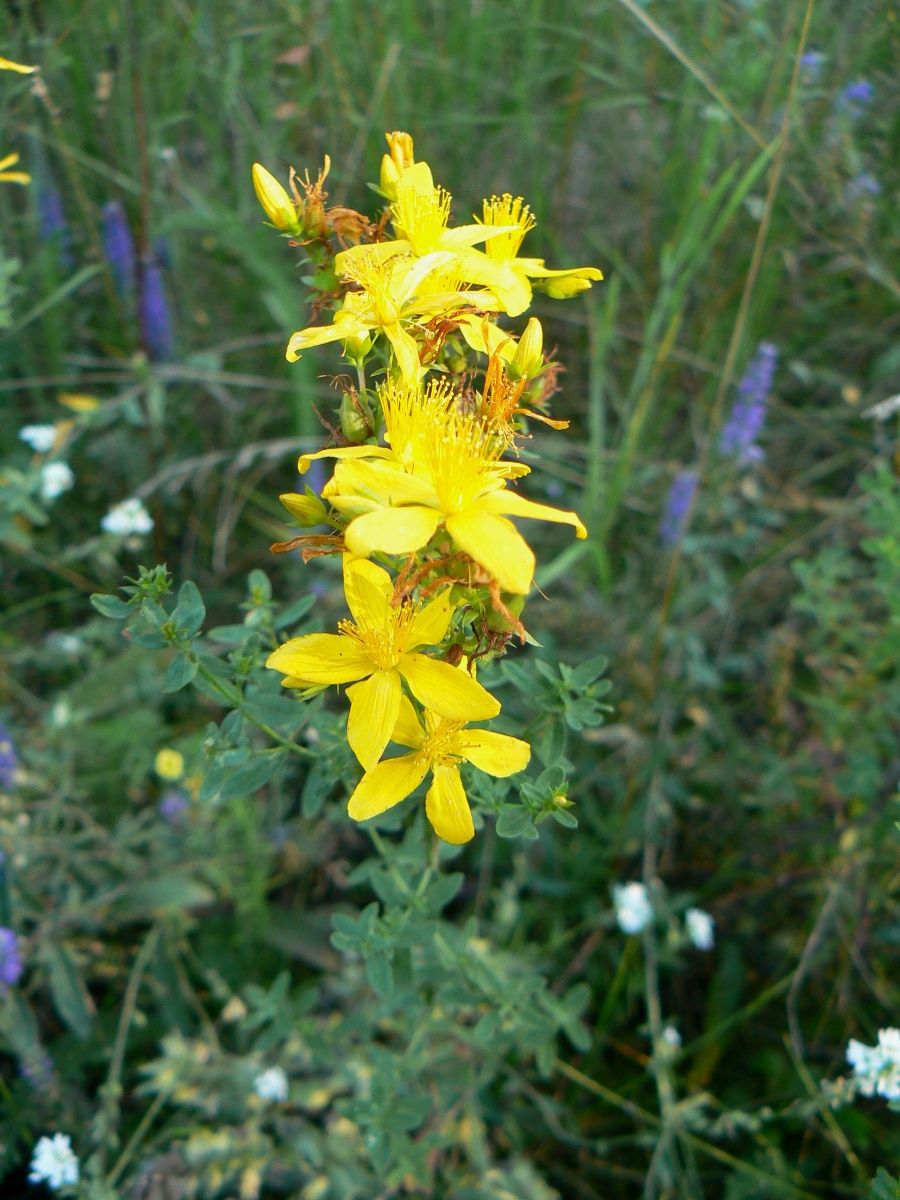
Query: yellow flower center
{"x":442,"y":741}
{"x":462,"y":455}
{"x":407,"y":412}
{"x":385,"y":644}
{"x":375,"y":278}
{"x":421,"y":217}
{"x":506,"y":210}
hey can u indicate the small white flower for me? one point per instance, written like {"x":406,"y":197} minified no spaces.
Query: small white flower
{"x":56,"y":478}
{"x":39,"y":437}
{"x":633,"y":911}
{"x":877,"y":1068}
{"x":54,"y":1162}
{"x":671,"y":1037}
{"x":701,"y":928}
{"x":127,"y":519}
{"x":271,"y":1084}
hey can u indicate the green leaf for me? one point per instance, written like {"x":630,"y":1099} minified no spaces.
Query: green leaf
{"x":190,"y":610}
{"x":180,"y":672}
{"x":167,"y":893}
{"x":380,"y":974}
{"x":516,"y":823}
{"x":295,"y":612}
{"x":884,"y":1186}
{"x":111,"y":606}
{"x":250,"y":778}
{"x":71,"y":998}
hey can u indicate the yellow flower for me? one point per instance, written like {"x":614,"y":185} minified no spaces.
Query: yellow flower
{"x":378,"y":646}
{"x":6,"y":64}
{"x":12,"y":176}
{"x":392,"y":295}
{"x":399,"y":158}
{"x":460,"y":484}
{"x":275,"y":201}
{"x":421,"y":213}
{"x":169,"y":765}
{"x":509,"y":276}
{"x":439,"y":747}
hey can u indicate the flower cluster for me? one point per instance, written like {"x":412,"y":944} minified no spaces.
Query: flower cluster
{"x":876,"y":1069}
{"x":426,"y":454}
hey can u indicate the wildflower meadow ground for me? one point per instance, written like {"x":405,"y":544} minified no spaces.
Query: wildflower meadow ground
{"x":449,"y":639}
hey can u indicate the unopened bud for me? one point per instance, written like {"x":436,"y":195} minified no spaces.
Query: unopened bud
{"x":356,"y":417}
{"x":275,"y":201}
{"x":400,"y":148}
{"x":529,"y":356}
{"x":307,"y":510}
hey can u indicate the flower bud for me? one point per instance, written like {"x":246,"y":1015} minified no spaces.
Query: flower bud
{"x":307,"y":510}
{"x":529,"y":356}
{"x":275,"y":201}
{"x":400,"y":148}
{"x":356,"y":417}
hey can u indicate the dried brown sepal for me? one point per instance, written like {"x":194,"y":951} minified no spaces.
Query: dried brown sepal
{"x":312,"y":545}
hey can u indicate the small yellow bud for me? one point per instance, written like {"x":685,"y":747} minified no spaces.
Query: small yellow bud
{"x":169,"y":765}
{"x":306,"y":510}
{"x":400,"y":148}
{"x":529,"y":356}
{"x":275,"y":201}
{"x":389,"y":177}
{"x":234,"y":1010}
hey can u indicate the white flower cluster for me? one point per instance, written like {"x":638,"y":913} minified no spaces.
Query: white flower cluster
{"x":633,"y":909}
{"x":701,"y":928}
{"x":876,"y":1069}
{"x":39,"y":437}
{"x":128,"y":519}
{"x":54,"y":1162}
{"x":56,"y":478}
{"x":272,"y":1085}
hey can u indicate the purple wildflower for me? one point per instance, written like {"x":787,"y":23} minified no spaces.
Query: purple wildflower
{"x":173,"y":806}
{"x":52,"y":222}
{"x":10,"y":959}
{"x":118,"y":245}
{"x":9,"y":760}
{"x":743,"y":427}
{"x":678,"y":503}
{"x":812,"y":61}
{"x":864,"y":184}
{"x":855,"y":96}
{"x":154,"y":312}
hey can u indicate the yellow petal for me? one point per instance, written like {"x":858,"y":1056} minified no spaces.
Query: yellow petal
{"x":374,"y":706}
{"x":386,"y":784}
{"x":6,"y":64}
{"x":392,"y":530}
{"x":430,"y":624}
{"x":381,"y":481}
{"x":512,"y":504}
{"x":496,"y":544}
{"x":319,"y":335}
{"x":406,"y":352}
{"x":495,"y":753}
{"x":368,"y":589}
{"x":408,"y":731}
{"x":447,"y":690}
{"x":322,"y":658}
{"x":447,"y":808}
{"x":365,"y":451}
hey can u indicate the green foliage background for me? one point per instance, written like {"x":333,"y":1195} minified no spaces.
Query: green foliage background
{"x":458,"y":1024}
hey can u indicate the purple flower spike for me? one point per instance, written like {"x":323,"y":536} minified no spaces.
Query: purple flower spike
{"x":154,"y":313}
{"x":855,"y":96}
{"x":118,"y":246}
{"x":173,"y":806}
{"x":53,"y":224}
{"x":678,"y":503}
{"x":10,"y":959}
{"x":9,"y":760}
{"x":744,"y":425}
